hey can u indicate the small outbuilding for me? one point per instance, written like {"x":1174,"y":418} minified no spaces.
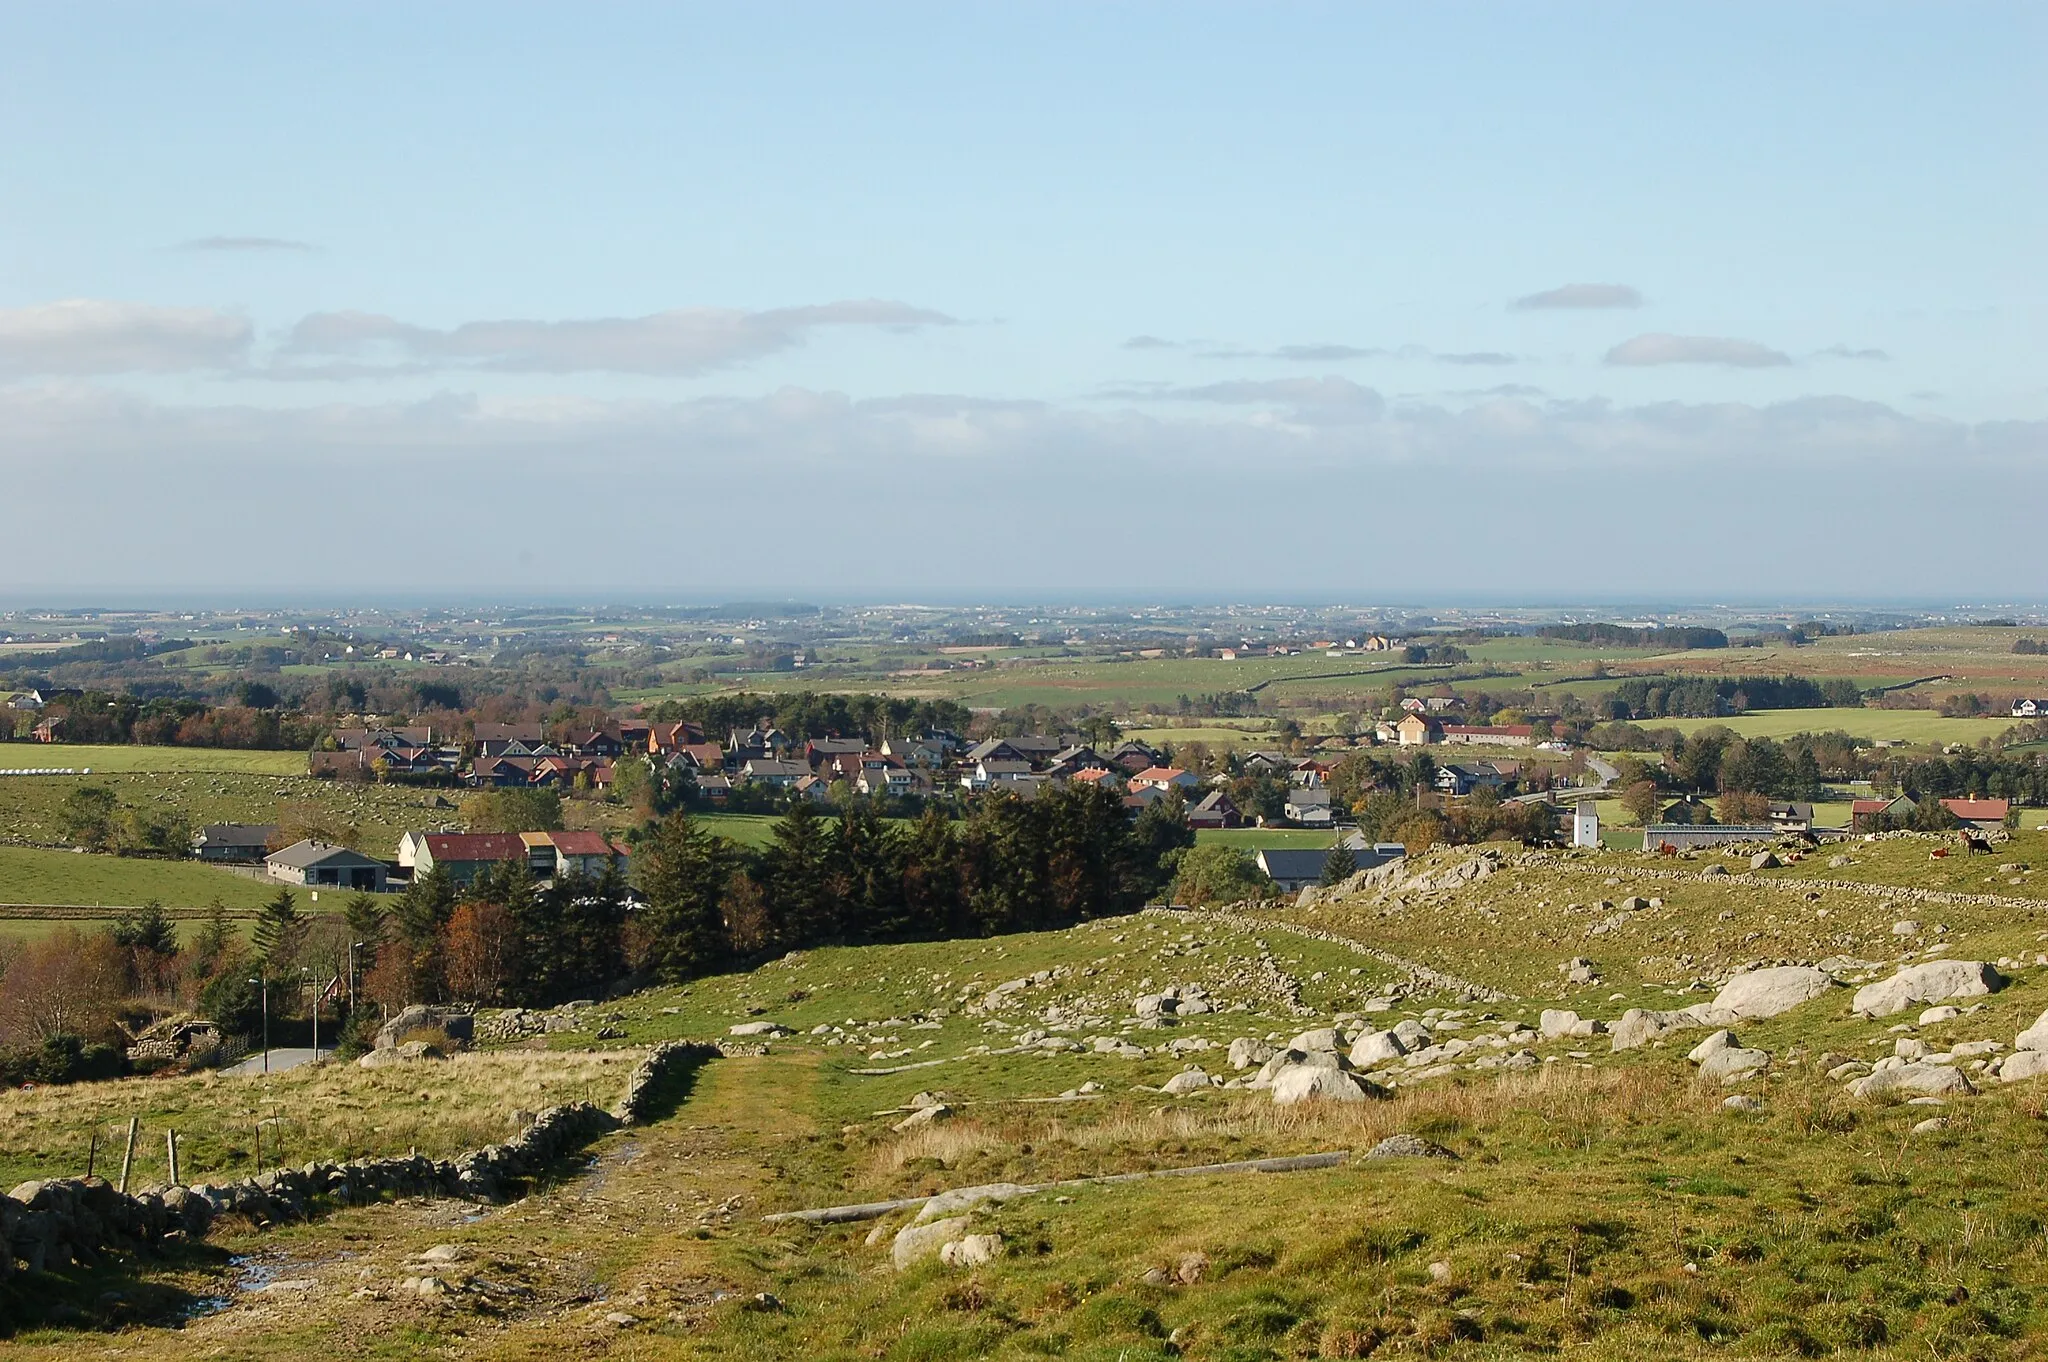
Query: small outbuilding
{"x":322,"y":865}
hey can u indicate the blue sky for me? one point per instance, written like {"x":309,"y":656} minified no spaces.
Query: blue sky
{"x":1749,"y":298}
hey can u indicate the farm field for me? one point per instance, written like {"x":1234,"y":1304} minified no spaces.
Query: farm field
{"x":139,"y":758}
{"x":1895,"y":725}
{"x":35,"y":875}
{"x":1254,"y":839}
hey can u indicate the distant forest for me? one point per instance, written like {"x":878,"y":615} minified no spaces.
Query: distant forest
{"x":1623,"y":636}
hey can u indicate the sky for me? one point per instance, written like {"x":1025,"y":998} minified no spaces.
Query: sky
{"x":1198,"y":301}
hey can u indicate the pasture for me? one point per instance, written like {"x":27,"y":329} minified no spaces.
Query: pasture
{"x":1893,"y":725}
{"x":40,"y":876}
{"x":135,"y":758}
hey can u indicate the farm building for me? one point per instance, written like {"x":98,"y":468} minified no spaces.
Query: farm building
{"x":319,"y":865}
{"x":1867,"y":815}
{"x":1292,"y":869}
{"x":233,"y":841}
{"x":1685,"y":836}
{"x":1497,"y":735}
{"x":1984,"y":815}
{"x":462,"y":856}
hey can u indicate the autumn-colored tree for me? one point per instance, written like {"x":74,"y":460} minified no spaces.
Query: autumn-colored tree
{"x":479,"y":946}
{"x":64,"y":984}
{"x":1744,"y":806}
{"x":1641,"y":800}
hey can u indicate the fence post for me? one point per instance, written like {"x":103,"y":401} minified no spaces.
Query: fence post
{"x":171,"y":1155}
{"x":259,"y":1144}
{"x":128,"y":1155}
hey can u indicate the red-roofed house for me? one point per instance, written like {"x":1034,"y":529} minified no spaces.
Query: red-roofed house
{"x":582,"y":852}
{"x":1984,"y":815}
{"x":462,"y":856}
{"x":1868,"y":815}
{"x":1165,"y":778}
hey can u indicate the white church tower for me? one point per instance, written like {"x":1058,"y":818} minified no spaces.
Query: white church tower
{"x":1586,"y":825}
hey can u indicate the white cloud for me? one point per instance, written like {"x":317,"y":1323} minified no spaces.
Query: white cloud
{"x":1848,"y":352}
{"x":88,"y":336}
{"x":687,"y":340}
{"x":934,"y":464}
{"x":1658,"y":348}
{"x":1580,"y":296}
{"x":244,"y":243}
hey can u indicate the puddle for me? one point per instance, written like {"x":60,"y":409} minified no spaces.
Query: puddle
{"x":264,"y":1273}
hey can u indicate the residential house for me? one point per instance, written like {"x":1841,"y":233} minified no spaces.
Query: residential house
{"x":569,"y":771}
{"x":1268,"y":763}
{"x":49,"y":730}
{"x":505,"y":772}
{"x":2021,"y":709}
{"x":929,"y":753}
{"x":1869,"y":815}
{"x":595,"y":742}
{"x":1791,"y":817}
{"x":319,"y":865}
{"x":1215,"y":810}
{"x":517,"y":740}
{"x":773,"y":772}
{"x":748,"y":744}
{"x":1415,"y":730}
{"x":701,"y":756}
{"x":1496,"y":735}
{"x":670,"y":737}
{"x":892,"y":781}
{"x":1037,"y":749}
{"x":715,"y":786}
{"x":355,"y":739}
{"x":995,"y":749}
{"x":1454,"y":778}
{"x":25,"y":699}
{"x":819,"y":751}
{"x":1982,"y":815}
{"x":1079,"y":757}
{"x":992,"y":771}
{"x":463,"y":856}
{"x":1166,"y":778}
{"x":1134,"y":756}
{"x":814,"y":787}
{"x":553,"y":855}
{"x":1294,"y":869}
{"x":1310,"y":807}
{"x":1439,"y":704}
{"x":233,"y":841}
{"x":1105,"y":777}
{"x":634,"y":733}
{"x":1414,"y":705}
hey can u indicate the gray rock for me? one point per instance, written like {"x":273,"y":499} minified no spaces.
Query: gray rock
{"x":2023,"y":1064}
{"x":1187,"y":1081}
{"x":1406,"y":1146}
{"x":972,"y":1250}
{"x":915,"y":1243}
{"x":1934,"y":982}
{"x":1302,"y":1082}
{"x":1926,"y":1080}
{"x":1767,"y":992}
{"x":1742,"y":1101}
{"x":1322,"y":1038}
{"x":758,"y":1028}
{"x":1376,"y":1047}
{"x":1555,"y":1022}
{"x":1733,"y":1064}
{"x":2035,"y":1037}
{"x":1935,"y":1016}
{"x":1246,"y":1051}
{"x":1720,"y":1040}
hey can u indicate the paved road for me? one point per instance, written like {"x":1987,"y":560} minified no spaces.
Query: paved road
{"x":280,"y":1060}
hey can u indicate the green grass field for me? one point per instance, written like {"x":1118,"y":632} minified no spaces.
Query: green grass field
{"x":1895,"y":725}
{"x":32,"y":875}
{"x":1253,"y":839}
{"x":38,"y":756}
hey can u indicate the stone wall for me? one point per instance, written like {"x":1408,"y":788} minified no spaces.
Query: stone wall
{"x":64,"y":1220}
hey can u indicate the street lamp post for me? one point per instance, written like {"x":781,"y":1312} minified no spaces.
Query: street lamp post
{"x":315,"y":978}
{"x":262,"y":981}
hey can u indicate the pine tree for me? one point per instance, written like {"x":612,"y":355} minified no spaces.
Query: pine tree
{"x":797,"y":870}
{"x":684,"y":872}
{"x":1338,"y":866}
{"x":280,"y":933}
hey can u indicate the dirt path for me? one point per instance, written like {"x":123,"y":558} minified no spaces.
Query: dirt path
{"x":620,"y":1259}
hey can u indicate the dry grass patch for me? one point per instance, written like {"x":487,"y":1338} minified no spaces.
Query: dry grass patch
{"x":323,"y":1111}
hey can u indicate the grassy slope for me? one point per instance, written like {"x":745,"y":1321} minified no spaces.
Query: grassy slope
{"x":1898,"y":725}
{"x":31,"y":875}
{"x":1607,"y":1207}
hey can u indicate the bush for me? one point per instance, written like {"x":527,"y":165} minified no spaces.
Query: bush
{"x":61,"y":1059}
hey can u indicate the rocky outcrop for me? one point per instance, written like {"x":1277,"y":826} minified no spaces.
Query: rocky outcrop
{"x":1936,"y":981}
{"x":459,"y":1027}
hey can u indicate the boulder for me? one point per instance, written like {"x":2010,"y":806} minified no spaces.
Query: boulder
{"x":1767,"y":992}
{"x":1322,"y":1038}
{"x":1915,"y":1080}
{"x":459,"y":1027}
{"x":1639,"y":1026}
{"x":1906,"y":926}
{"x":923,"y":1116}
{"x":1412,"y":1034}
{"x":972,"y":1250}
{"x":1742,"y":1101}
{"x":758,"y":1028}
{"x":1720,"y":1040}
{"x":1270,"y":1071}
{"x":1764,"y":860}
{"x":1934,"y":982}
{"x":1246,"y":1051}
{"x":2035,"y":1037}
{"x":1187,"y":1081}
{"x":915,"y":1243}
{"x":1935,"y":1016}
{"x":1555,"y":1022}
{"x":2022,"y":1064}
{"x":1376,"y":1047}
{"x":1301,"y":1082}
{"x":1732,"y":1064}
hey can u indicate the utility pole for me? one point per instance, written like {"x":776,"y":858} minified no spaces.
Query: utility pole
{"x":262,"y":981}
